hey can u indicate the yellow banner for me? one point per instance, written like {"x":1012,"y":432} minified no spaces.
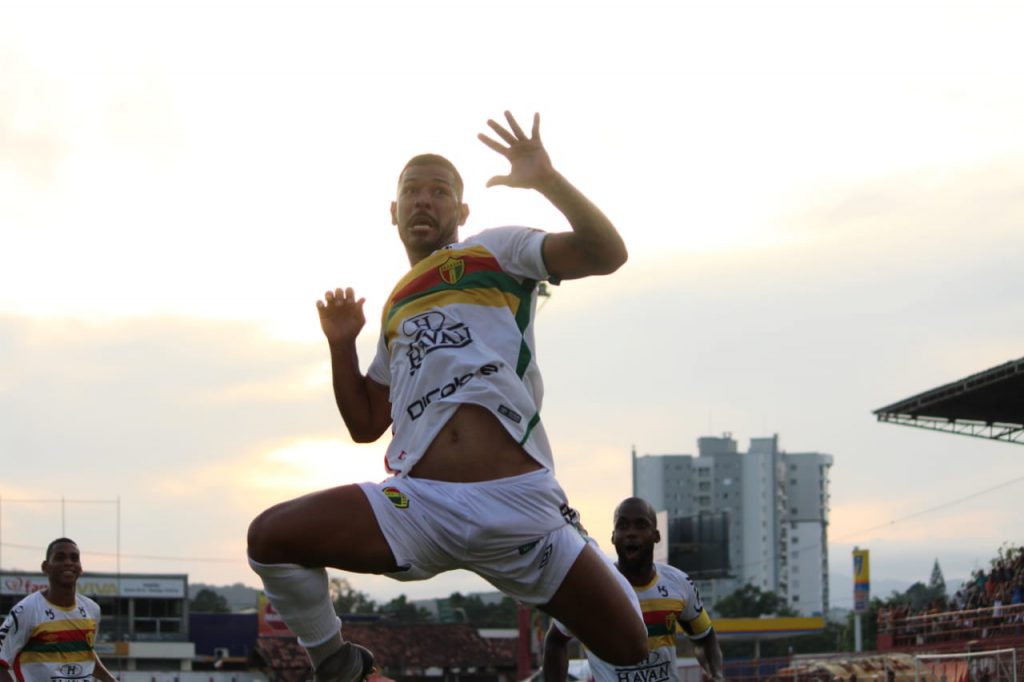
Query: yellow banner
{"x":861,"y":567}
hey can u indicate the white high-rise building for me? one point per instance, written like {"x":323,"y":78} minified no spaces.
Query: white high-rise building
{"x":759,"y":517}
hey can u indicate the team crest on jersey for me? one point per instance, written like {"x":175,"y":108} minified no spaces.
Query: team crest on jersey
{"x":397,"y":497}
{"x":451,"y":270}
{"x":670,"y":622}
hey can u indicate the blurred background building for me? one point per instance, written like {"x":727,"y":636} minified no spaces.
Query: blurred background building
{"x":757,"y":517}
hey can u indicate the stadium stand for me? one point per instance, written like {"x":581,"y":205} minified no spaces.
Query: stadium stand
{"x":401,"y":651}
{"x":989,"y":404}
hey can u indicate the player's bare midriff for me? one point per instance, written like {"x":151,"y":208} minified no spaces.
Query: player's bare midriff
{"x":472,"y":447}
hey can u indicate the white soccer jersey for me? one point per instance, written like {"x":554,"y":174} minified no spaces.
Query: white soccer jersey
{"x":43,"y":642}
{"x":458,"y":328}
{"x":668,"y":602}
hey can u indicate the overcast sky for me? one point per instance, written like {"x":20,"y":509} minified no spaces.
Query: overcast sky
{"x":823,"y":203}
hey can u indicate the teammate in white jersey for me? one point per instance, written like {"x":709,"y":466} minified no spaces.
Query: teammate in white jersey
{"x":456,"y":380}
{"x":668,"y":600}
{"x":50,"y":635}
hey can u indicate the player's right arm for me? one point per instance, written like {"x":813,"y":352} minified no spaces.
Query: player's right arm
{"x":364,"y":404}
{"x":4,"y":675}
{"x":556,"y":655}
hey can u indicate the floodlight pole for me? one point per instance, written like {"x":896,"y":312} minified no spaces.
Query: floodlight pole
{"x":63,"y":520}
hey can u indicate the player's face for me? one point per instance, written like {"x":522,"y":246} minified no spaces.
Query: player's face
{"x":634,"y":535}
{"x":428,"y":210}
{"x":64,"y":564}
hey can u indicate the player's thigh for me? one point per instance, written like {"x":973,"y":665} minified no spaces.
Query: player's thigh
{"x":334,"y":527}
{"x":593,"y":605}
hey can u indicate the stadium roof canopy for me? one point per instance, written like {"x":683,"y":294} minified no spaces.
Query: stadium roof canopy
{"x":988,"y":404}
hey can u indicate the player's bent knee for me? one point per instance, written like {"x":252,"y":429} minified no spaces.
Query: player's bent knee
{"x":260,"y":537}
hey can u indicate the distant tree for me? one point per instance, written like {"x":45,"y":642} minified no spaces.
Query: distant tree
{"x":347,"y":599}
{"x":919,"y":598}
{"x":750,"y":602}
{"x":208,"y":601}
{"x":473,"y":610}
{"x":937,"y":584}
{"x":401,"y":610}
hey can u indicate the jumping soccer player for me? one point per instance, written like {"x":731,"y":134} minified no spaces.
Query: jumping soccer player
{"x":455,"y":377}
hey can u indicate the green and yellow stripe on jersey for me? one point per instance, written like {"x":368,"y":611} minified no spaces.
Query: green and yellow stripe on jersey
{"x":60,"y":641}
{"x":467,"y":276}
{"x":661,"y":616}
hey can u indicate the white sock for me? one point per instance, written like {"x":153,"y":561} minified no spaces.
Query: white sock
{"x":301,"y":597}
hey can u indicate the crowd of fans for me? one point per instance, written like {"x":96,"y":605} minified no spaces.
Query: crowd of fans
{"x":1002,"y":585}
{"x":989,"y":604}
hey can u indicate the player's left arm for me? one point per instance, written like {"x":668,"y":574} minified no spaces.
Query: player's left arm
{"x":99,"y":671}
{"x":710,"y":655}
{"x":696,"y":623}
{"x":594,"y":247}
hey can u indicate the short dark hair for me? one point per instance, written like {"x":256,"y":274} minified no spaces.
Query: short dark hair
{"x":647,"y":507}
{"x":434,"y":160}
{"x":49,"y":547}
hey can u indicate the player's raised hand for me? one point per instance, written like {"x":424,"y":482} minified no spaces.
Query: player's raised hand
{"x":341,"y":315}
{"x":531,"y":165}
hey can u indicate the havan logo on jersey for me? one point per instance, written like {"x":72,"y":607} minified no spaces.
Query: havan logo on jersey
{"x":654,"y":670}
{"x":431,"y":331}
{"x":71,"y":671}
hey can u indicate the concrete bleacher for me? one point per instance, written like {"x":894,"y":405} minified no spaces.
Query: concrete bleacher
{"x":952,"y":630}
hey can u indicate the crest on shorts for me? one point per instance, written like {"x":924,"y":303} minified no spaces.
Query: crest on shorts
{"x":397,"y":497}
{"x":451,"y":270}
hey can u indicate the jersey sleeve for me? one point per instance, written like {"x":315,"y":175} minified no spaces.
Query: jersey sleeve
{"x":94,"y":611}
{"x":13,"y":634}
{"x":694,"y":618}
{"x":519,"y":250}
